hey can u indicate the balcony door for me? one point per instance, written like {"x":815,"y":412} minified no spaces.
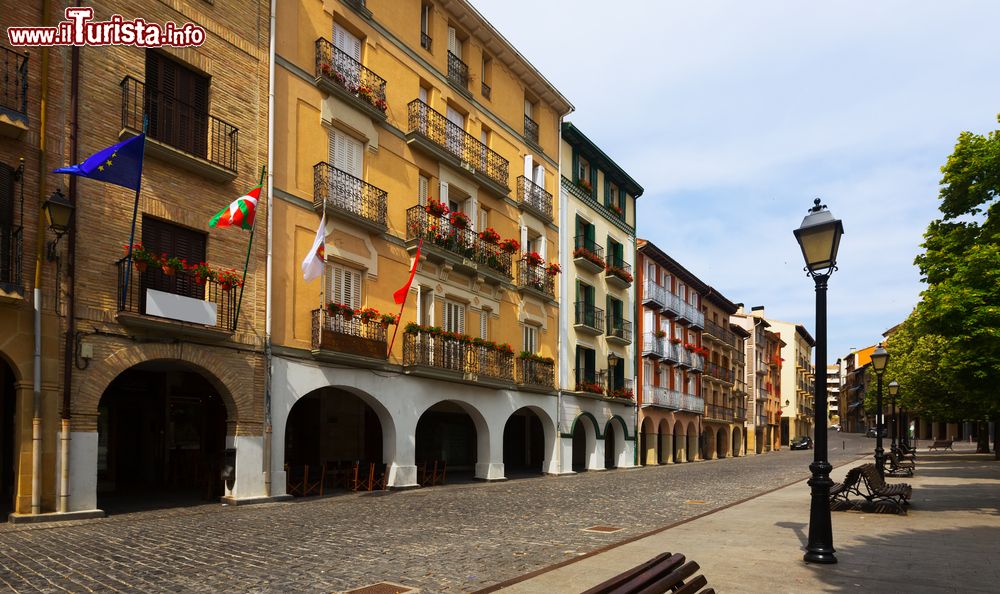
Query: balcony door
{"x":8,"y":262}
{"x":348,"y":60}
{"x":586,"y":365}
{"x":455,"y":132}
{"x":162,"y":237}
{"x":454,"y":321}
{"x":177,"y":104}
{"x":346,"y":156}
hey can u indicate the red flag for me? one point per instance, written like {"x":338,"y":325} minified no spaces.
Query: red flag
{"x":400,"y":296}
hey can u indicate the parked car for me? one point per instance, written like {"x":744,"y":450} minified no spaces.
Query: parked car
{"x":873,"y":433}
{"x":801,"y":443}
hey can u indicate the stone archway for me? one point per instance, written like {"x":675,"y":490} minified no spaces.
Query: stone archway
{"x":666,"y":442}
{"x":526,"y":434}
{"x":648,"y":442}
{"x":456,"y":434}
{"x":585,"y":433}
{"x":692,"y":441}
{"x":737,"y":443}
{"x":708,"y":445}
{"x":722,"y":442}
{"x":615,"y":433}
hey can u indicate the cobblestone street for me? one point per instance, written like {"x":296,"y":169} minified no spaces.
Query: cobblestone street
{"x":443,"y":539}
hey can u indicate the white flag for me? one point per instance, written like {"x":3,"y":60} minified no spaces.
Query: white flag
{"x":312,"y":266}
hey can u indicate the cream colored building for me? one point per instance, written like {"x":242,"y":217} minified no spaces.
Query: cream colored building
{"x":797,"y":377}
{"x":755,"y":370}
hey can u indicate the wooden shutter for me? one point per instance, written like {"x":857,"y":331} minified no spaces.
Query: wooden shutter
{"x":346,"y":153}
{"x":528,"y":167}
{"x":484,"y":323}
{"x":423,"y":185}
{"x":344,"y":285}
{"x":484,"y":218}
{"x":6,"y":196}
{"x":454,"y":43}
{"x":423,"y":94}
{"x":162,"y":237}
{"x":539,"y":176}
{"x":346,"y":42}
{"x":177,"y":104}
{"x":443,"y":187}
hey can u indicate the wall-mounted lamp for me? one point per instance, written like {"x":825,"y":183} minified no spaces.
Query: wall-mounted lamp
{"x":59,"y":213}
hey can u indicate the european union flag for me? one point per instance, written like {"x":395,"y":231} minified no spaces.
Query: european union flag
{"x":119,"y":164}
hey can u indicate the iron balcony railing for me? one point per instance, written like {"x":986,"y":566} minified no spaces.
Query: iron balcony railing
{"x":620,"y":328}
{"x":455,"y":354}
{"x":723,"y":334}
{"x":761,"y":393}
{"x":588,"y":249}
{"x":530,"y":129}
{"x":653,"y":294}
{"x":425,"y":41}
{"x":619,"y":388}
{"x":439,"y":232}
{"x":693,"y":360}
{"x":721,"y":413}
{"x":178,"y":124}
{"x":452,"y":138}
{"x":534,"y":197}
{"x":536,"y":373}
{"x":330,"y":331}
{"x":739,"y":413}
{"x":660,"y":396}
{"x":535,"y":276}
{"x":654,"y":346}
{"x":182,"y":283}
{"x":739,"y":386}
{"x":590,"y":316}
{"x":335,"y":188}
{"x":11,"y":246}
{"x":458,"y":71}
{"x":14,"y":85}
{"x":589,"y":380}
{"x":695,"y":404}
{"x":717,"y":371}
{"x":620,"y":268}
{"x":486,"y":90}
{"x":334,"y":64}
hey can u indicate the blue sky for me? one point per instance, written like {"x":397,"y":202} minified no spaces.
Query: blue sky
{"x":734,"y":115}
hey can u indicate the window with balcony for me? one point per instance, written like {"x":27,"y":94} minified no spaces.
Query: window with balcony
{"x":530,"y":339}
{"x":586,"y":370}
{"x":487,"y":76}
{"x":530,"y":124}
{"x":344,"y":285}
{"x":10,"y":232}
{"x":162,"y":237}
{"x":614,"y":199}
{"x":458,"y":70}
{"x":177,"y":104}
{"x":425,"y":26}
{"x":423,"y":189}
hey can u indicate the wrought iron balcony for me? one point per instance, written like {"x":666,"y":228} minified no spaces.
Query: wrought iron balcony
{"x":14,"y":82}
{"x":345,"y":196}
{"x":695,"y":404}
{"x":719,"y":413}
{"x":533,"y":197}
{"x":338,"y":72}
{"x":182,"y":126}
{"x":425,"y":41}
{"x":540,"y":374}
{"x":530,"y":130}
{"x":589,"y":318}
{"x":11,"y":246}
{"x":653,"y":346}
{"x":721,"y":334}
{"x":588,"y":254}
{"x":486,"y":90}
{"x":739,"y":413}
{"x":590,"y":381}
{"x":178,"y":296}
{"x":619,"y":388}
{"x":458,"y":71}
{"x":653,"y":295}
{"x":456,"y":142}
{"x":620,"y":330}
{"x":618,"y":272}
{"x":475,"y":362}
{"x":661,"y":397}
{"x":474,"y":253}
{"x":352,"y":337}
{"x":535,"y":277}
{"x":717,"y":371}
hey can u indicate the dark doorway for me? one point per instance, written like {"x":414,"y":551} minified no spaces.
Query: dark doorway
{"x":446,"y":433}
{"x":784,"y":431}
{"x":610,"y":459}
{"x":8,"y":444}
{"x":523,"y":444}
{"x":161,"y":435}
{"x":579,"y":447}
{"x":331,"y":426}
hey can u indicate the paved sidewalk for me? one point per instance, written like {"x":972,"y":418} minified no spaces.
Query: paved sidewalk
{"x":948,"y":542}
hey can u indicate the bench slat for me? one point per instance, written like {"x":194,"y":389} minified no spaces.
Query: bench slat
{"x":672,"y":571}
{"x":668,"y":582}
{"x":611,"y":584}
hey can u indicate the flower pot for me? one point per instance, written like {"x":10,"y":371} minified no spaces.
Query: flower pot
{"x":347,"y":315}
{"x":141,"y":265}
{"x":168,"y":270}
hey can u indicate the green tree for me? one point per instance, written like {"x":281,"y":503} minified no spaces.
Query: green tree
{"x":946,"y":355}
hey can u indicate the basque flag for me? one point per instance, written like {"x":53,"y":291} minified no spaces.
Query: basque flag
{"x":119,"y":164}
{"x":240,"y":213}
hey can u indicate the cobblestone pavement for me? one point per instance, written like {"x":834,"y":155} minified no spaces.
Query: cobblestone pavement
{"x":442,"y":539}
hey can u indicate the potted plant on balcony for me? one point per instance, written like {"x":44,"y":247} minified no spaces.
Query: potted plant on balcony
{"x":659,"y":333}
{"x":625,"y":393}
{"x":534,"y":258}
{"x":201,"y":272}
{"x":141,"y":257}
{"x":585,"y":386}
{"x":510,"y":246}
{"x":459,"y":220}
{"x":368,"y":314}
{"x":490,"y":236}
{"x":435,"y":208}
{"x":529,"y":356}
{"x":675,"y":340}
{"x":619,"y":272}
{"x":228,"y":279}
{"x":617,"y":210}
{"x":386,"y":320}
{"x":582,"y":252}
{"x":171,"y":264}
{"x":585,"y":184}
{"x":553,"y":269}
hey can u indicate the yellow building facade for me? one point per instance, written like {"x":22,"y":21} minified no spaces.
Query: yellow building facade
{"x":405,"y":126}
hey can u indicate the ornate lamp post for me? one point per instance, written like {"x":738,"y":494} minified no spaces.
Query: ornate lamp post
{"x":880,"y":358}
{"x":893,"y":390}
{"x":819,"y":237}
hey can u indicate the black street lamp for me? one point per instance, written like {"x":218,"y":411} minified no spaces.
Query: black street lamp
{"x":819,"y":237}
{"x":880,"y":358}
{"x":893,"y":390}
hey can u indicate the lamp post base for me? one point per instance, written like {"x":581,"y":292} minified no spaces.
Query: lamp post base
{"x":820,"y":557}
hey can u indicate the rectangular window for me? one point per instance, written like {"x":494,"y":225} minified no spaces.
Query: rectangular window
{"x":162,"y":237}
{"x":484,"y":323}
{"x":487,"y":76}
{"x":530,"y":339}
{"x":423,"y":189}
{"x":343,"y":285}
{"x":651,"y":272}
{"x":425,"y":26}
{"x":346,"y":153}
{"x":454,"y":317}
{"x":583,"y":169}
{"x":177,"y":104}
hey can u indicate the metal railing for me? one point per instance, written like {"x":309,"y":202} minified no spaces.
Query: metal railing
{"x":723,"y":334}
{"x":761,"y":393}
{"x":14,"y":83}
{"x":589,"y":380}
{"x":446,"y":352}
{"x":11,"y":254}
{"x":341,"y":190}
{"x":653,"y":294}
{"x":178,"y":124}
{"x":620,"y":328}
{"x":458,"y":71}
{"x":452,"y":138}
{"x":536,"y":373}
{"x":486,"y":90}
{"x":589,"y":250}
{"x":534,"y":196}
{"x":619,"y":389}
{"x":653,"y":345}
{"x":324,"y":323}
{"x":182,"y":283}
{"x":535,"y":276}
{"x":620,"y":268}
{"x":438,"y":231}
{"x":338,"y":66}
{"x":739,"y":413}
{"x":691,"y":403}
{"x":590,"y":316}
{"x":425,"y":41}
{"x":530,"y":129}
{"x":722,"y":413}
{"x":659,"y":396}
{"x":717,"y":371}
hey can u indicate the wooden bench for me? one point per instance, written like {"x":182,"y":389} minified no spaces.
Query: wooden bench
{"x":898,"y":466}
{"x":879,"y":491}
{"x":908,"y":452}
{"x":664,"y":573}
{"x":940,"y":443}
{"x":852,"y":482}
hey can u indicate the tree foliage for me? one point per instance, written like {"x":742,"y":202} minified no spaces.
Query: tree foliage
{"x":946,"y":355}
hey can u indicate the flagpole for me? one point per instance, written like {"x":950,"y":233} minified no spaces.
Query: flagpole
{"x":399,"y":319}
{"x":135,"y":215}
{"x":246,"y":265}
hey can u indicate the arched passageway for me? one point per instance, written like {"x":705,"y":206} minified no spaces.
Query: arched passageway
{"x":161,"y":437}
{"x":679,"y":440}
{"x":610,"y":443}
{"x":448,"y":434}
{"x":665,"y":441}
{"x":523,"y":444}
{"x":737,"y":443}
{"x":721,"y":443}
{"x":328,"y":431}
{"x":692,"y":444}
{"x":648,"y":443}
{"x":584,"y":443}
{"x":8,"y":443}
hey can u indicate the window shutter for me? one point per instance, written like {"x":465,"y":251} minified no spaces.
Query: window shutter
{"x":444,"y":193}
{"x":576,"y":166}
{"x":423,"y":94}
{"x":524,"y":237}
{"x":542,"y":247}
{"x":527,"y":108}
{"x":484,"y":218}
{"x":607,"y":192}
{"x":454,"y":44}
{"x":593,"y":181}
{"x":539,"y":178}
{"x":460,"y":311}
{"x":6,"y":196}
{"x":528,"y":167}
{"x":484,"y":320}
{"x":346,"y":42}
{"x":423,"y":184}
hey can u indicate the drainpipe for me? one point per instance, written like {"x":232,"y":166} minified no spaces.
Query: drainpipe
{"x":36,"y":419}
{"x":270,"y":223}
{"x":69,"y":356}
{"x":561,"y":336}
